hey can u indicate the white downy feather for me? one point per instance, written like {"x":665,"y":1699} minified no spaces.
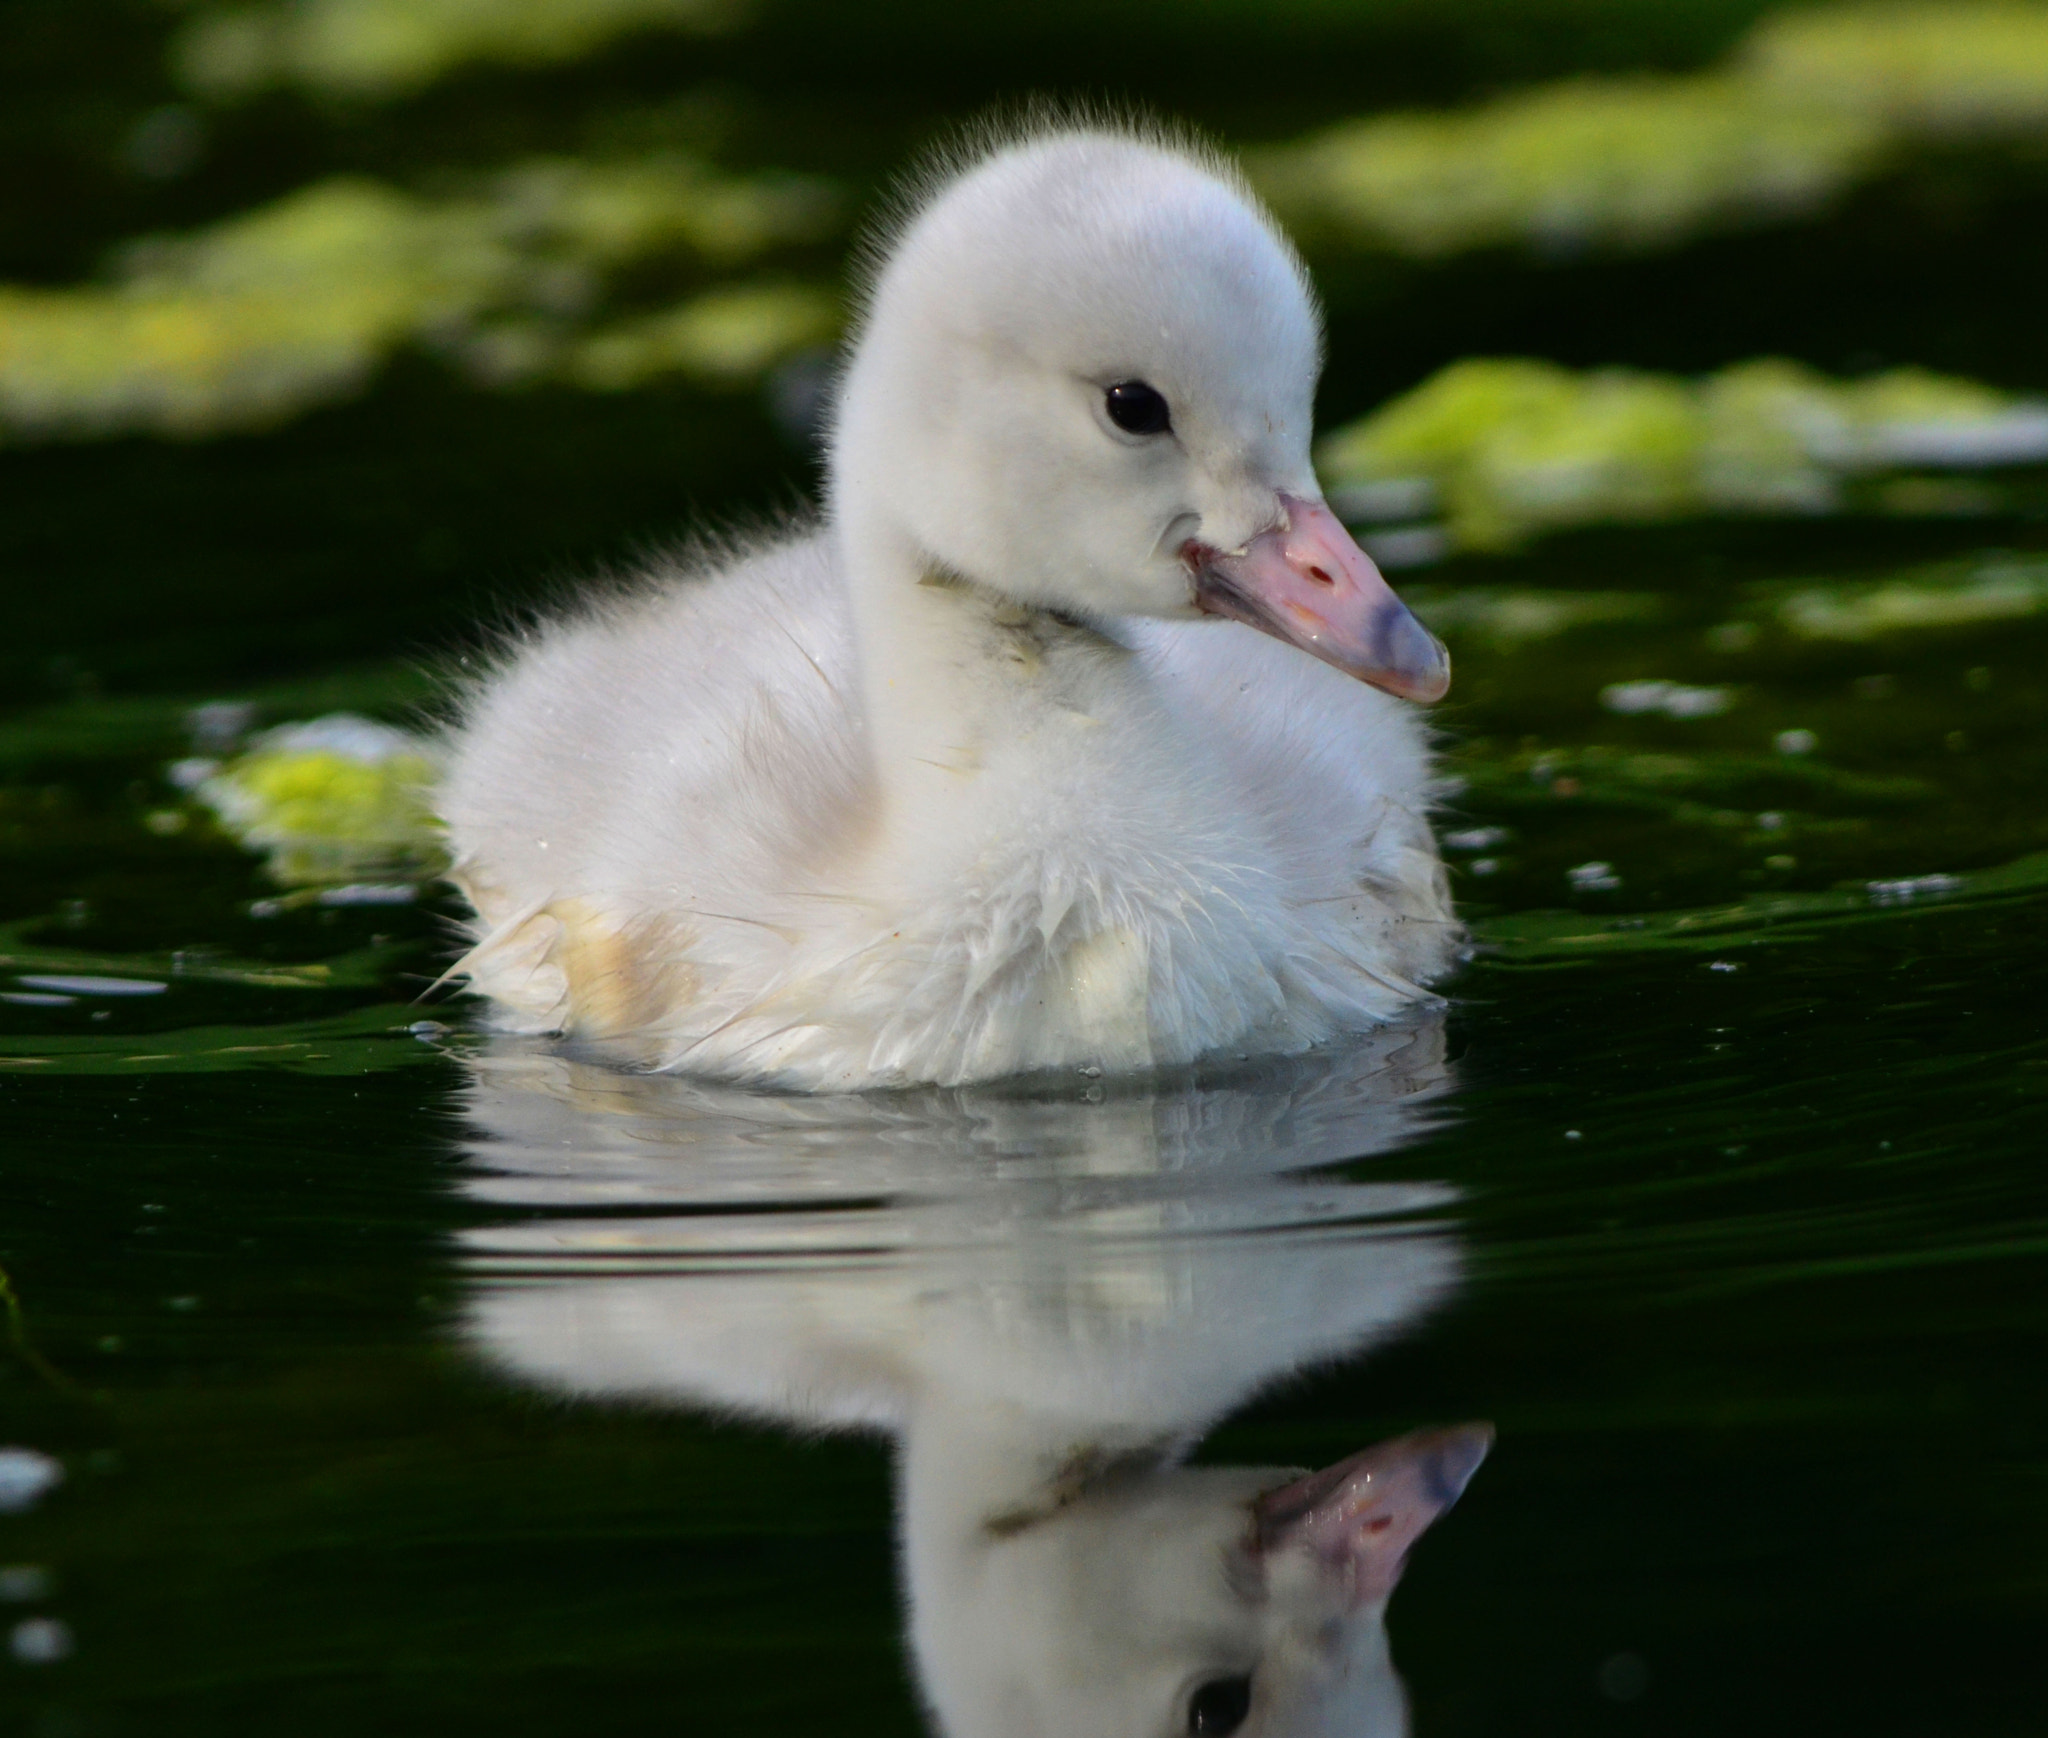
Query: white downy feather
{"x":958,"y":784}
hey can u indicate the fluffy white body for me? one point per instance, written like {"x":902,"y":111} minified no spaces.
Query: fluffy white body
{"x":970,"y":780}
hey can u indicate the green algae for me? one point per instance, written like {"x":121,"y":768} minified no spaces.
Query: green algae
{"x":237,"y":327}
{"x":331,"y":800}
{"x":299,"y":302}
{"x":1812,"y":103}
{"x":1513,"y":447}
{"x":725,"y":337}
{"x":381,"y":49}
{"x":1630,"y":163}
{"x":1954,"y":596}
{"x":1956,"y":68}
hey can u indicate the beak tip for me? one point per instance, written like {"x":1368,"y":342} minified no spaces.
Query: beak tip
{"x":1422,"y":682}
{"x":1459,"y":1452}
{"x":1424,"y":661}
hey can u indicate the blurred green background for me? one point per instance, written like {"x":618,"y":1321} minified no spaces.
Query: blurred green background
{"x":329,"y":325}
{"x":334,"y":332}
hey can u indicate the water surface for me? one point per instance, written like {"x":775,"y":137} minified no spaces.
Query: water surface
{"x":1738,"y":1246}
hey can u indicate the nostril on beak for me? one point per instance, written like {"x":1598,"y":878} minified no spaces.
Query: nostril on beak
{"x":1321,"y":576}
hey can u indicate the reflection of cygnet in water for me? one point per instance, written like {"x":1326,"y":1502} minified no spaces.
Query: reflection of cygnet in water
{"x":1046,"y":1302}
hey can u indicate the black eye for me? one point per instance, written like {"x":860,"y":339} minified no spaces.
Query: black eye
{"x":1220,"y":1705}
{"x":1137,"y":409}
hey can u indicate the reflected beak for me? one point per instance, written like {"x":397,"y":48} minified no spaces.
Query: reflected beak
{"x":1358,"y":1518}
{"x":1311,"y":585}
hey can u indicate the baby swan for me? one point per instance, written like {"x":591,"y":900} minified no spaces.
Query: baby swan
{"x":1076,"y":734}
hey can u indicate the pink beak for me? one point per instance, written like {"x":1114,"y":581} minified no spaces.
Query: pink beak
{"x":1359,"y":1517}
{"x":1312,"y":586}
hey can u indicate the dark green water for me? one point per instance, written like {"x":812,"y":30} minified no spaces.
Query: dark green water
{"x":1762,"y":1343}
{"x":1736,"y":1162}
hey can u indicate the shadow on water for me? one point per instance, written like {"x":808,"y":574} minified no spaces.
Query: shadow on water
{"x":1043,"y":1303}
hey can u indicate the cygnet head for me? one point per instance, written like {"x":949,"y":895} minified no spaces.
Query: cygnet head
{"x":1085,"y":382}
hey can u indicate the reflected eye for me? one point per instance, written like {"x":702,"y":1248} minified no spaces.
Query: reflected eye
{"x":1137,"y":408}
{"x":1220,"y":1705}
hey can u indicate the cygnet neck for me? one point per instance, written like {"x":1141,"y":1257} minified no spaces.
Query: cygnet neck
{"x":951,"y":669}
{"x":988,"y":1464}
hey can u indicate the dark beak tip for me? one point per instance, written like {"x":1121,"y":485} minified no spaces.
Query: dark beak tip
{"x":1418,"y":663}
{"x":1432,"y":662}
